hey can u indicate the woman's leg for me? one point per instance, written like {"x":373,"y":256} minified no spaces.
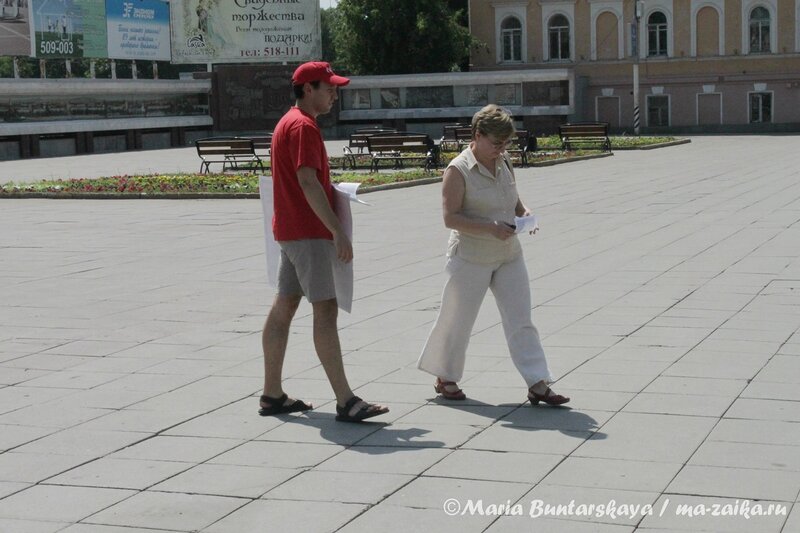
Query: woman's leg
{"x":446,"y":348}
{"x":511,"y":288}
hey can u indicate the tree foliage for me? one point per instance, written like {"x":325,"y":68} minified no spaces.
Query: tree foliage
{"x":398,"y":36}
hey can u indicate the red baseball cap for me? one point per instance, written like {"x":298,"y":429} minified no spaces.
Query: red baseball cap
{"x":317,"y":71}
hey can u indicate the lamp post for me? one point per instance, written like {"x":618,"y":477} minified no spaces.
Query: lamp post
{"x":637,"y":15}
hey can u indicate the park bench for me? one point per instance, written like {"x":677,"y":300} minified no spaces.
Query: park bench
{"x":453,"y":136}
{"x":400,"y":146}
{"x":231,"y":152}
{"x":521,"y":145}
{"x":262,"y":145}
{"x":583,"y":134}
{"x":357,"y":143}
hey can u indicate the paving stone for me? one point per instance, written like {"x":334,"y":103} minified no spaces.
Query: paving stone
{"x":59,"y":504}
{"x":613,"y":474}
{"x":648,"y":437}
{"x":345,"y":487}
{"x":495,"y":466}
{"x":161,"y":510}
{"x":281,"y":515}
{"x":745,"y":483}
{"x":384,"y":459}
{"x":119,"y":473}
{"x":227,"y":480}
{"x":666,"y":304}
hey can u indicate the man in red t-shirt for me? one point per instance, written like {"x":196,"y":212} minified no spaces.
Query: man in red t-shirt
{"x":311,"y":239}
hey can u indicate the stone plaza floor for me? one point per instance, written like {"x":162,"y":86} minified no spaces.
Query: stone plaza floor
{"x":666,"y":286}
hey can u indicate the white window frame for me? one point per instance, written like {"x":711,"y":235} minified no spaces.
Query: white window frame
{"x":658,"y":30}
{"x":647,"y":109}
{"x":747,"y":7}
{"x":719,"y":5}
{"x":615,"y":8}
{"x":772,"y":97}
{"x":665,"y":6}
{"x":550,"y":9}
{"x":697,"y":107}
{"x":518,"y":10}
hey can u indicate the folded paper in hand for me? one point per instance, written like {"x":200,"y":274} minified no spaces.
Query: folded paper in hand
{"x":344,"y":193}
{"x":529,"y":223}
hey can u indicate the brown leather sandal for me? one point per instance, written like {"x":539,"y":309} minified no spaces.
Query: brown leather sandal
{"x":549,"y":397}
{"x":441,"y":387}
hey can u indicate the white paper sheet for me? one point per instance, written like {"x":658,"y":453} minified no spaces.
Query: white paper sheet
{"x":524,"y":224}
{"x":344,"y":193}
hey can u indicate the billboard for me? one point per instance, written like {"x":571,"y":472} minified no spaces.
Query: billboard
{"x":138,"y":29}
{"x":234,"y":31}
{"x":68,"y":28}
{"x":15,"y":31}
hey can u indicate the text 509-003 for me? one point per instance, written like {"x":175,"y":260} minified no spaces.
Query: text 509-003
{"x":57,"y":47}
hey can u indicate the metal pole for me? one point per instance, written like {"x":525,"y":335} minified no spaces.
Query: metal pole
{"x":155,"y":70}
{"x":113,"y":69}
{"x":16,"y":67}
{"x":636,"y":96}
{"x":92,"y":67}
{"x":68,"y":65}
{"x":638,"y":7}
{"x":134,"y":73}
{"x":42,"y":68}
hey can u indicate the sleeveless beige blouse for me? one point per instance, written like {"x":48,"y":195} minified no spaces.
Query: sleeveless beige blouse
{"x":486,"y":197}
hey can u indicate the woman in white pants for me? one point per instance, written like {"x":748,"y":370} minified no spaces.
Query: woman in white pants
{"x":480,"y":201}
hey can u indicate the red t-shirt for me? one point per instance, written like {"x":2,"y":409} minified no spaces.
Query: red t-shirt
{"x":297,"y":142}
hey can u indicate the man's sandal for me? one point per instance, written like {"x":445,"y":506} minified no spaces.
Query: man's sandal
{"x":368,"y":410}
{"x":441,"y":387}
{"x":277,"y":406}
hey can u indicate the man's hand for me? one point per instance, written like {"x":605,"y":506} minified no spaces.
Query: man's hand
{"x":344,"y":248}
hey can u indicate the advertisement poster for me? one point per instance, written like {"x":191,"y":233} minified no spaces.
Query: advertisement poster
{"x":69,"y":28}
{"x":15,"y":30}
{"x":138,"y":29}
{"x":229,"y":31}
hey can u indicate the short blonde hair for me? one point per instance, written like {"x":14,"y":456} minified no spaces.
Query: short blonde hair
{"x":493,"y":120}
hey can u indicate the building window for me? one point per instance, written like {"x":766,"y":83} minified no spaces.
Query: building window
{"x":657,"y":110}
{"x":657,"y":34}
{"x":559,"y":37}
{"x":760,"y":107}
{"x":511,"y":39}
{"x":759,"y":31}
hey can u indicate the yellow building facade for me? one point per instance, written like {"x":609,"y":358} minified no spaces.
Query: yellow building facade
{"x":705,"y":65}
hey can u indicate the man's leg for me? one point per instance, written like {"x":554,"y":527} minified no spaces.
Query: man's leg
{"x":274,"y":339}
{"x":329,"y":351}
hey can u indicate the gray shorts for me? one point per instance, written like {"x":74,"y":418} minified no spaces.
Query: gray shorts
{"x":306,"y":268}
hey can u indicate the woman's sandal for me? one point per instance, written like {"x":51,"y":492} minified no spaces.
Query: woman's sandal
{"x":549,"y":397}
{"x":368,"y":410}
{"x":277,"y":406}
{"x":441,"y":387}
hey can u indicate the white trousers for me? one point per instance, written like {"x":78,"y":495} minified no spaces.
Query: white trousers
{"x":446,"y":348}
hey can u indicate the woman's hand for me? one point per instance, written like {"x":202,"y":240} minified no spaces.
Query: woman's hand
{"x":500,"y":230}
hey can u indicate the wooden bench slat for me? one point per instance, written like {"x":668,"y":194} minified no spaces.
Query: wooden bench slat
{"x":584,"y":134}
{"x":402,"y":146}
{"x":228,"y":152}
